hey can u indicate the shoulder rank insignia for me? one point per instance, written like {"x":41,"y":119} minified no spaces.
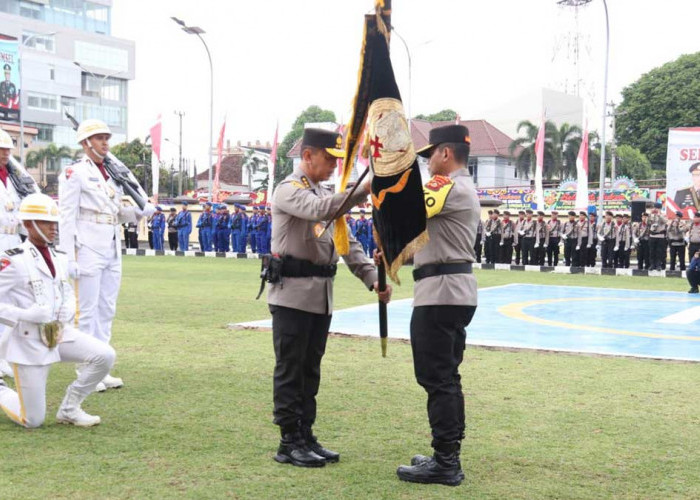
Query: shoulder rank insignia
{"x":14,"y":251}
{"x":305,"y":181}
{"x":435,"y":192}
{"x":297,"y":184}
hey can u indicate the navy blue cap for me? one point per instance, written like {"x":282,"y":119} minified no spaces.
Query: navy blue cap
{"x":207,"y":204}
{"x":658,"y":205}
{"x":158,"y":207}
{"x":185,"y":203}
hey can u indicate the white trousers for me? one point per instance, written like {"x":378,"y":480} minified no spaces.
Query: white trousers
{"x":27,"y":405}
{"x":97,"y":290}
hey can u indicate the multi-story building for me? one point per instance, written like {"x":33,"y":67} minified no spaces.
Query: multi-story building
{"x":69,"y":62}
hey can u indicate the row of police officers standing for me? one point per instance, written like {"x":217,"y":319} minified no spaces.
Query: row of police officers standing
{"x":583,"y":236}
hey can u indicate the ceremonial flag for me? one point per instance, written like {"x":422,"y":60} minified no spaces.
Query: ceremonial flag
{"x":219,"y":149}
{"x":156,"y":138}
{"x":398,"y":205}
{"x":582,"y":173}
{"x":271,"y":168}
{"x":539,"y":166}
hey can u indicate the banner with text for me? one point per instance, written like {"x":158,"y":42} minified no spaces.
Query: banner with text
{"x":683,"y":171}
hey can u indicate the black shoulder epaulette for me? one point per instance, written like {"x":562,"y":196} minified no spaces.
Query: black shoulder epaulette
{"x":14,"y":251}
{"x":58,"y":251}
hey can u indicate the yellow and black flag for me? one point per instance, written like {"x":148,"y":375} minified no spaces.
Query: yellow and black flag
{"x":398,"y":206}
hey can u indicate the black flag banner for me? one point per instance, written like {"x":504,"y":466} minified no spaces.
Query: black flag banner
{"x":398,"y":206}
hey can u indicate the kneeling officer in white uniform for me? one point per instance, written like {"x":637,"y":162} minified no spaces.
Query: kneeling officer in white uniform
{"x":38,"y":305}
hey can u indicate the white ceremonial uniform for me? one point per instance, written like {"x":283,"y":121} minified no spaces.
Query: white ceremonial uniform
{"x":91,"y":213}
{"x":10,"y":227}
{"x":26,"y":281}
{"x":9,"y":222}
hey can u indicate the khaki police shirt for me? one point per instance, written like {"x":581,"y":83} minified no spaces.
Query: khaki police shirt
{"x":299,"y":208}
{"x":452,"y":224}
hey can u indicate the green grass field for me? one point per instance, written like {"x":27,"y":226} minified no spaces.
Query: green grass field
{"x":194,"y":420}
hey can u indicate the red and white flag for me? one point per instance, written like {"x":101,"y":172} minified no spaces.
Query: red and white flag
{"x":271,"y":167}
{"x":582,"y":173}
{"x":539,"y":166}
{"x":219,"y":150}
{"x":156,"y":139}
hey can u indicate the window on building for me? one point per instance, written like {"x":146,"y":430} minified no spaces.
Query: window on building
{"x":64,"y":136}
{"x":44,"y":102}
{"x":515,"y":173}
{"x":37,"y":41}
{"x":102,"y":56}
{"x":97,"y":12}
{"x":52,"y":73}
{"x":112,"y":89}
{"x":45,"y":133}
{"x":9,"y":6}
{"x":31,"y":10}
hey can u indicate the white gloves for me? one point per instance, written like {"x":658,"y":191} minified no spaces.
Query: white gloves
{"x":36,"y":314}
{"x":148,"y":210}
{"x":537,"y":245}
{"x":73,"y":270}
{"x":578,"y":248}
{"x":488,"y":234}
{"x":563,"y":236}
{"x":500,"y":244}
{"x":616,"y":249}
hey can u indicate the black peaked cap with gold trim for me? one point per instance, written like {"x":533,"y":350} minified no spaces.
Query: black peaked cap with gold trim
{"x":441,"y":135}
{"x":332,"y":142}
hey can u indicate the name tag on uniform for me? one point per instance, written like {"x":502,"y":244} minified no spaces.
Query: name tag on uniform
{"x":94,"y":179}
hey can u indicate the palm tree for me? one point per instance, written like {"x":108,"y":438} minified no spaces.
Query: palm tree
{"x":569,"y":141}
{"x":253,"y":164}
{"x":47,"y":158}
{"x":525,"y":159}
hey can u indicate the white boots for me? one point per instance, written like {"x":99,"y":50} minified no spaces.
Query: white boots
{"x":70,"y":411}
{"x":111,"y":382}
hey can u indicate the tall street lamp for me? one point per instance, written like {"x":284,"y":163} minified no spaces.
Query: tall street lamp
{"x":410,"y":90}
{"x":601,"y":200}
{"x":22,"y":44}
{"x":195,"y":30}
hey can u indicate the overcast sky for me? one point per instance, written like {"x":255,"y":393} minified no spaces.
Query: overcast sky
{"x":273,"y":58}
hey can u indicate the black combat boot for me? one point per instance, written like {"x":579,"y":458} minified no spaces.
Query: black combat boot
{"x":316,"y":447}
{"x":442,"y":468}
{"x":293,"y":450}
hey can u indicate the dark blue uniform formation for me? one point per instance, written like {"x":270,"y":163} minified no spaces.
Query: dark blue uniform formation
{"x":239,"y":229}
{"x":223,"y":229}
{"x":363,"y":233}
{"x":205,"y":224}
{"x":158,"y":228}
{"x":183,"y":223}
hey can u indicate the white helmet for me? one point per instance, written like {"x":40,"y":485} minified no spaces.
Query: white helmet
{"x":5,"y":140}
{"x":91,"y":127}
{"x":38,"y":206}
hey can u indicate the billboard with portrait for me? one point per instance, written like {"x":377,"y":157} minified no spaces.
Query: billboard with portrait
{"x":683,"y":171}
{"x":9,"y":83}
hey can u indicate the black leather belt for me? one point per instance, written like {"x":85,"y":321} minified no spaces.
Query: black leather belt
{"x":300,"y":268}
{"x":429,"y":270}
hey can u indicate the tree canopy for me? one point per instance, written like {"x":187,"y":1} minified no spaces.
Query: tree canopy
{"x":666,"y":97}
{"x":309,"y":115}
{"x":441,"y":116}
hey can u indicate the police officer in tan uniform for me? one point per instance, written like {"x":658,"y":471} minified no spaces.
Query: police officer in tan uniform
{"x":445,"y":299}
{"x":677,"y":230}
{"x":657,"y":238}
{"x":526,"y":235}
{"x":301,"y":300}
{"x":569,"y":234}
